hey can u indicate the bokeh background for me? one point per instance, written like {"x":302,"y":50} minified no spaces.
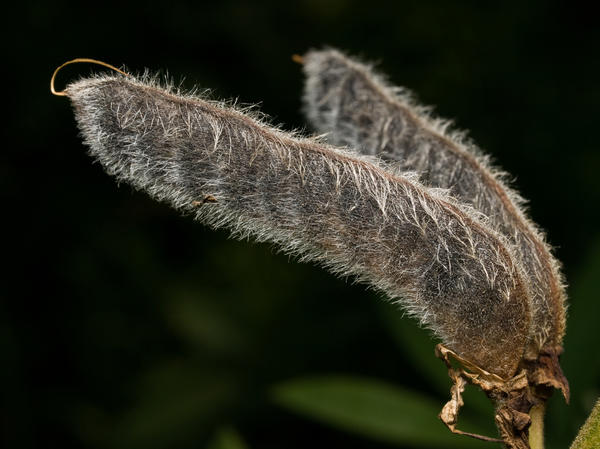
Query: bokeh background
{"x":125,"y":325}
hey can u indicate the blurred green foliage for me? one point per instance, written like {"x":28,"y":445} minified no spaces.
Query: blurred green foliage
{"x":371,"y":408}
{"x":227,"y":438}
{"x":125,"y":325}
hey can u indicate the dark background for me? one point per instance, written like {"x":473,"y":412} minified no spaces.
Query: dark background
{"x":123,"y":324}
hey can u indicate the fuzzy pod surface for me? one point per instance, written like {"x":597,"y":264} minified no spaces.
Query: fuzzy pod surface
{"x":359,"y":109}
{"x":424,"y":250}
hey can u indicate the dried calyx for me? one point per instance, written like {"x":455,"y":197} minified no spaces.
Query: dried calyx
{"x":513,"y":398}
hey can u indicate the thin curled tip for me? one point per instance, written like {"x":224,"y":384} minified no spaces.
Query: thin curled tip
{"x":63,"y":93}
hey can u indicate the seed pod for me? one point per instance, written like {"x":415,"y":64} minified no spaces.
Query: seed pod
{"x":358,"y":109}
{"x":419,"y":246}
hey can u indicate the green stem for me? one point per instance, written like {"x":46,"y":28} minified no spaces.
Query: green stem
{"x":536,"y":430}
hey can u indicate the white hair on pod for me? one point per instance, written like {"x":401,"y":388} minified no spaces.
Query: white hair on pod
{"x":358,"y":108}
{"x":421,"y":247}
{"x":400,"y":203}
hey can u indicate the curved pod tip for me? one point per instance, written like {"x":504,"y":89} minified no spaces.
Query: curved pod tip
{"x":63,"y":93}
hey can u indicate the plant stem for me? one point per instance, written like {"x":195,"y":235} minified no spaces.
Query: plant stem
{"x":536,"y":430}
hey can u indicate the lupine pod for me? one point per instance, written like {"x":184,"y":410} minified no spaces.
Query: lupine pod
{"x":357,"y":108}
{"x":418,"y":245}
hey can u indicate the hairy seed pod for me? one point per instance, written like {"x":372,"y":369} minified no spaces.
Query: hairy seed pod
{"x":418,"y":245}
{"x":357,"y":108}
